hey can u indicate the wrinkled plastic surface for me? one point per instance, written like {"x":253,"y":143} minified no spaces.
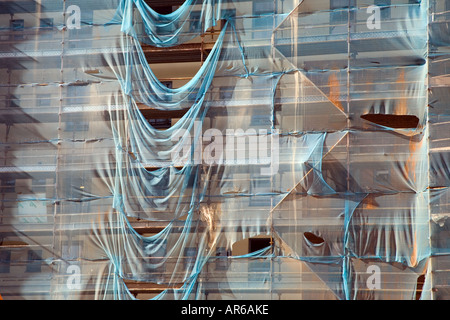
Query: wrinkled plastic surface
{"x":354,"y":209}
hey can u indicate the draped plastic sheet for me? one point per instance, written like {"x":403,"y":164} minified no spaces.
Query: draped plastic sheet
{"x":81,"y":164}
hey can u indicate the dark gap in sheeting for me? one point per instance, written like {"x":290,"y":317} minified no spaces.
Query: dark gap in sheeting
{"x":187,"y":52}
{"x":419,"y":286}
{"x":163,"y":114}
{"x":314,"y":239}
{"x":79,"y":83}
{"x":157,"y":168}
{"x":13,"y":244}
{"x":255,"y":244}
{"x":152,"y":168}
{"x":162,"y":119}
{"x":144,"y":287}
{"x":163,"y":9}
{"x":392,"y":120}
{"x":161,"y":6}
{"x":143,"y":227}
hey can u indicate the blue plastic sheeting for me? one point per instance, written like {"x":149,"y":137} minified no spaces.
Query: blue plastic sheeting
{"x":165,"y":30}
{"x":304,"y":155}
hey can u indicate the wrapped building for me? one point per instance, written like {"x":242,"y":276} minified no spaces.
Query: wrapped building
{"x":225,"y":149}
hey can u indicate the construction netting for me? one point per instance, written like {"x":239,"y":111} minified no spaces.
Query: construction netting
{"x":305,"y":155}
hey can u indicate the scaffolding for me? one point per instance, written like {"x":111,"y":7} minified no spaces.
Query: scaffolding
{"x":226,"y":149}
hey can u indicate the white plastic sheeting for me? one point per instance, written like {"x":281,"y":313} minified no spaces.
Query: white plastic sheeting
{"x":330,"y":126}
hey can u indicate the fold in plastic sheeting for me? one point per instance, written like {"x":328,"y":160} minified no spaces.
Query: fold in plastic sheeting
{"x":165,"y":30}
{"x":308,"y":158}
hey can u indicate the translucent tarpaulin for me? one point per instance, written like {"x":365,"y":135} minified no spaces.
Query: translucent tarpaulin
{"x":304,"y":155}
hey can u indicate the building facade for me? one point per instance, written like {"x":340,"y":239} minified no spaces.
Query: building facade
{"x":226,"y":149}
